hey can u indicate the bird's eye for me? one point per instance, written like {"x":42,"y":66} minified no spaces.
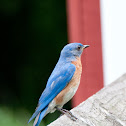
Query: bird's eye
{"x":78,"y":48}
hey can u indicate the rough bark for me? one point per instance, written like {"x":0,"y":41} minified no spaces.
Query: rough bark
{"x":105,"y":108}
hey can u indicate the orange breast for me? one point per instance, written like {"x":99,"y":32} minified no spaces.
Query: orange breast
{"x":68,"y":92}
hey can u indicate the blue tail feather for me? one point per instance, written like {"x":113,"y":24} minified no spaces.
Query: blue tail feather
{"x":40,"y":117}
{"x":33,"y":116}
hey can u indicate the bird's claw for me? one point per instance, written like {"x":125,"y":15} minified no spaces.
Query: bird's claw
{"x":67,"y":113}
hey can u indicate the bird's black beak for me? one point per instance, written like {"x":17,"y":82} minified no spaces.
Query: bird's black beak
{"x":85,"y":46}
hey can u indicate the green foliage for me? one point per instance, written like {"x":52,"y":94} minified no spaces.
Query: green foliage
{"x":10,"y":117}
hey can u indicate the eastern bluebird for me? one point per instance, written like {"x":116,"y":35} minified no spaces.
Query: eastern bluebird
{"x":62,"y":83}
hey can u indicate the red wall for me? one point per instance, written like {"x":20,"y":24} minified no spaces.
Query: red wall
{"x":84,"y":26}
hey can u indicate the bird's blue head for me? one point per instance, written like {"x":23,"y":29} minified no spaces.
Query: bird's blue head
{"x":73,"y":50}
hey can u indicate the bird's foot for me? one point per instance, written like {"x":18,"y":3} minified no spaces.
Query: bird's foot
{"x":67,"y":113}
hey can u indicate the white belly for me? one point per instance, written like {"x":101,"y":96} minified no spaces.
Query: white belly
{"x":68,"y":96}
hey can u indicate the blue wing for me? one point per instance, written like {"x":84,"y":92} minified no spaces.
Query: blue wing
{"x":58,"y":81}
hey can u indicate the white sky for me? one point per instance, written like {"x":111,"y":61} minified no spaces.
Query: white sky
{"x":113,"y":18}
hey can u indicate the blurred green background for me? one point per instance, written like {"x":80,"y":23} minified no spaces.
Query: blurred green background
{"x":32,"y":34}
